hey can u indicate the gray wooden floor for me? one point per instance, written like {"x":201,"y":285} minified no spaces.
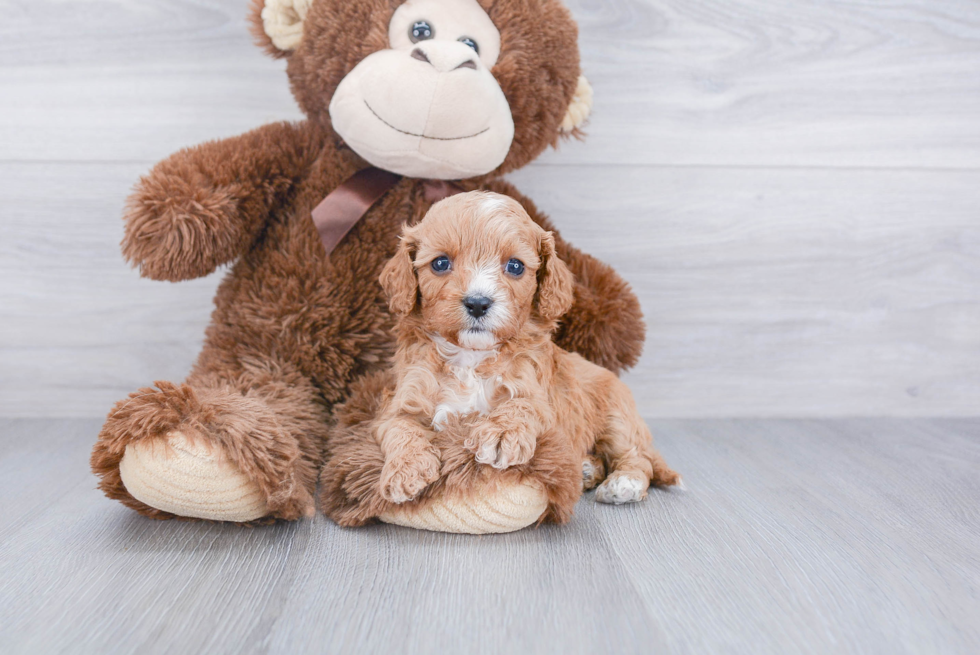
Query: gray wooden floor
{"x":848,"y":536}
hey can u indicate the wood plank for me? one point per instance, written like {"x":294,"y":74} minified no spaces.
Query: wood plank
{"x":792,"y":537}
{"x":779,"y":292}
{"x":678,"y":82}
{"x":794,"y":83}
{"x":767,"y":292}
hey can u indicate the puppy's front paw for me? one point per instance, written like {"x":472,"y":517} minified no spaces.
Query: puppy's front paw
{"x":405,"y":475}
{"x":501,"y":448}
{"x":621,"y":488}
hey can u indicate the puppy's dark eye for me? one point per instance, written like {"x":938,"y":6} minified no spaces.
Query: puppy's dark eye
{"x":421,"y":30}
{"x":515,"y":267}
{"x":441,"y":264}
{"x":465,"y":40}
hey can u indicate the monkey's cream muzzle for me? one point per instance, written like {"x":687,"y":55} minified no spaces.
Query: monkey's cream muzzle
{"x":434,"y":111}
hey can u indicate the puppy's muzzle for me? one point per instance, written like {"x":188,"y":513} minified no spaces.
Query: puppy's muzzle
{"x":477,"y":306}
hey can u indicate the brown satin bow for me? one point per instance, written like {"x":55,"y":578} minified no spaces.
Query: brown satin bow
{"x":344,"y":206}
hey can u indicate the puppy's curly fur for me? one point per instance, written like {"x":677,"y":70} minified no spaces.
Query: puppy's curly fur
{"x":478,"y":387}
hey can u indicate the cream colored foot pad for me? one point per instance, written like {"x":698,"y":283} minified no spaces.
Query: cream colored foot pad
{"x":505,"y":510}
{"x":188,"y":479}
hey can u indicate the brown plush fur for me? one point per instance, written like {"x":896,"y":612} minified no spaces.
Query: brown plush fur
{"x":541,"y":405}
{"x":293,"y":329}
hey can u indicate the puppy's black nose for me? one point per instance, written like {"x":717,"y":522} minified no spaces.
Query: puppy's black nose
{"x":477,"y":306}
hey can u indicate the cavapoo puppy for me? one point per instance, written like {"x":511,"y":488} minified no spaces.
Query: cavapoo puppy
{"x":478,"y":290}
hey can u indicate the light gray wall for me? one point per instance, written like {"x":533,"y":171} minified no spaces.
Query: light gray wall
{"x":793,"y":189}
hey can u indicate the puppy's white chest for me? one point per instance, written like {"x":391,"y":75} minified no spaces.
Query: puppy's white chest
{"x":468,"y":392}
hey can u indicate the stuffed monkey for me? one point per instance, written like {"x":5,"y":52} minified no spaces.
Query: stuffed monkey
{"x":420,"y":98}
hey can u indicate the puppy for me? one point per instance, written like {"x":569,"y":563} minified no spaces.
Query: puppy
{"x":478,"y":290}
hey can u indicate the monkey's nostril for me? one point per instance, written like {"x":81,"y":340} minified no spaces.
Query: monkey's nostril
{"x":477,"y":306}
{"x":418,"y":54}
{"x":469,"y":63}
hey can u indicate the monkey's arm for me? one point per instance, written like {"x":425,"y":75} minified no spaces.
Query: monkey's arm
{"x":605,"y":324}
{"x":203,"y":206}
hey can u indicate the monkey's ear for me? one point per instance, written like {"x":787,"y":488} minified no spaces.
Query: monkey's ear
{"x":278,"y":24}
{"x":398,"y":278}
{"x":555,"y":282}
{"x":580,"y":107}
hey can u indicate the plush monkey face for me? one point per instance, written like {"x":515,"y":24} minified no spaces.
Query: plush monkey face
{"x":445,"y":89}
{"x":428,"y":106}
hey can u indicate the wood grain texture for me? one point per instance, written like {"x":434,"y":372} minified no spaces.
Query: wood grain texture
{"x":788,"y":292}
{"x":792,"y":188}
{"x":850,"y":536}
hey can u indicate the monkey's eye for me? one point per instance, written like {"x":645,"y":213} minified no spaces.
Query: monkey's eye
{"x":421,"y":30}
{"x":515,"y":267}
{"x":465,"y":40}
{"x":441,"y":264}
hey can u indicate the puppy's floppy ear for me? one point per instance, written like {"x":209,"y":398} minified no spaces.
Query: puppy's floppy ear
{"x":398,"y":278}
{"x":555,"y":282}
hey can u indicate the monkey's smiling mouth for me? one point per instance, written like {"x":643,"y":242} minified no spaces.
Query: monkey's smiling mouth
{"x":434,"y":138}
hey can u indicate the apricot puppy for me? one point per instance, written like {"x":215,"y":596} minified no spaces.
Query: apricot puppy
{"x":478,"y":290}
